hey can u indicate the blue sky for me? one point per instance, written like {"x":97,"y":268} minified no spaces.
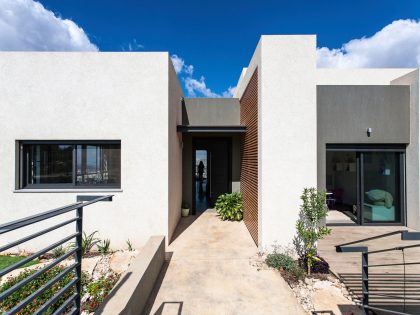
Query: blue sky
{"x":218,"y":37}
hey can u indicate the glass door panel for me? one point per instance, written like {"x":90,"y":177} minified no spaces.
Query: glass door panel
{"x":381,"y":187}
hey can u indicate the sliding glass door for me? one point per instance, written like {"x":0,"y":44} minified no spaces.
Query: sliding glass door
{"x":367,"y":183}
{"x":382,"y":187}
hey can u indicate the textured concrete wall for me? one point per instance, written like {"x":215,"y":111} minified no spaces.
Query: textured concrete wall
{"x":175,"y":151}
{"x":412,"y":152}
{"x":211,"y":111}
{"x":287,"y":125}
{"x":345,"y":112}
{"x":95,"y":96}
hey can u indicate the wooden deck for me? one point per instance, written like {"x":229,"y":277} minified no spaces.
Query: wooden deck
{"x":384,"y":280}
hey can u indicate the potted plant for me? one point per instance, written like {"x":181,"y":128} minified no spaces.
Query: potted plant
{"x":185,"y":209}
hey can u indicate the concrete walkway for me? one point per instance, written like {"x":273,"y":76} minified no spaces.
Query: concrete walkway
{"x":210,"y":273}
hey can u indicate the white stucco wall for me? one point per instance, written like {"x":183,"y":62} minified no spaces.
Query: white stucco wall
{"x":287,"y":131}
{"x":175,"y":152}
{"x":95,"y":96}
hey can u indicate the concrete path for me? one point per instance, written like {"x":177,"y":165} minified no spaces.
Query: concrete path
{"x":210,"y":273}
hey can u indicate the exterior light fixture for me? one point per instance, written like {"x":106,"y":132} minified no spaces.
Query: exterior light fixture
{"x":369,"y":131}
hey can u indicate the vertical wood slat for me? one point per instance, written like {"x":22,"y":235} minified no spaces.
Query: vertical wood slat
{"x":249,"y":155}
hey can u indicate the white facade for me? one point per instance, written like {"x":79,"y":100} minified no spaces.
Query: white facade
{"x":132,"y":97}
{"x":136,"y":98}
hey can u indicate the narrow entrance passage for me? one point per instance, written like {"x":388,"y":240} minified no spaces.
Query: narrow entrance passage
{"x":202,"y":201}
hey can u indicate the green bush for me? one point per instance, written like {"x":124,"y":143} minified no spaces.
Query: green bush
{"x":98,"y":290}
{"x":278,"y":260}
{"x":230,"y":206}
{"x":297,"y":272}
{"x":104,"y":247}
{"x":309,"y":229}
{"x":19,"y":295}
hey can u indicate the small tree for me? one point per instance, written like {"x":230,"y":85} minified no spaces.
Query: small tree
{"x":309,"y":229}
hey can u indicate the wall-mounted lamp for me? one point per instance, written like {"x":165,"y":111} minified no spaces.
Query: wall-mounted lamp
{"x":369,"y":131}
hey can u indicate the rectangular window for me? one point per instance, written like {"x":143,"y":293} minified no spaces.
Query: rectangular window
{"x":68,"y":164}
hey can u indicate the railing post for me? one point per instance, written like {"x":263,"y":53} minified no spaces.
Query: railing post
{"x":79,"y":229}
{"x":365,"y":283}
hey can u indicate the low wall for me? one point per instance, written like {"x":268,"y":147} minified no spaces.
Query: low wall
{"x":132,"y":291}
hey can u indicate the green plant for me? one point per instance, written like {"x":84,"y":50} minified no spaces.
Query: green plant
{"x":104,"y":246}
{"x":88,"y":241}
{"x":59,"y":251}
{"x":6,"y":261}
{"x":98,"y":290}
{"x":278,"y":260}
{"x":185,"y":205}
{"x":129,"y":246}
{"x":19,"y":295}
{"x":297,"y":272}
{"x":230,"y":206}
{"x":309,"y":228}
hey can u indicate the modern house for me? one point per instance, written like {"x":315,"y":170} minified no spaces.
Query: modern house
{"x":99,"y":123}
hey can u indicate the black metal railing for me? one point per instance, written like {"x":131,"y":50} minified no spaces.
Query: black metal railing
{"x":398,"y":284}
{"x":72,"y":304}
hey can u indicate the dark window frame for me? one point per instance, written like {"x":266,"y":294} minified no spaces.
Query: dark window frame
{"x":22,"y":167}
{"x":360,"y":150}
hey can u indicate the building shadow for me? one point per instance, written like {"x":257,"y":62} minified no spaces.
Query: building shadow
{"x":392,"y":291}
{"x":171,"y":303}
{"x":158,"y":283}
{"x":183,"y":224}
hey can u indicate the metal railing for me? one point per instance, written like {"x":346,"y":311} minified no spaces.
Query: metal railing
{"x":73,"y":302}
{"x":366,"y":292}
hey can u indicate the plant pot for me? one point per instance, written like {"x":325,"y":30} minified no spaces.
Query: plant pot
{"x":185,"y":212}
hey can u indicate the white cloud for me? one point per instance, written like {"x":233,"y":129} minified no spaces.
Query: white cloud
{"x":395,"y":45}
{"x":229,"y":92}
{"x":193,"y":86}
{"x":27,"y":25}
{"x":133,"y":46}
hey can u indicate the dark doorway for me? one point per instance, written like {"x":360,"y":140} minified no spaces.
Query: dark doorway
{"x":211,"y":171}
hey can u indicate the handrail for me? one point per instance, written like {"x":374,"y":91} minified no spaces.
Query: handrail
{"x":13,"y":225}
{"x":405,"y":236}
{"x":75,"y":268}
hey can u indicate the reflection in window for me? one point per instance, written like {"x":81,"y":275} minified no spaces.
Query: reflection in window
{"x":70,"y":165}
{"x":98,"y":164}
{"x":50,"y":164}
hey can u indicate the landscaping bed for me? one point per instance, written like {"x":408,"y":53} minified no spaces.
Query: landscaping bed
{"x":101,"y":270}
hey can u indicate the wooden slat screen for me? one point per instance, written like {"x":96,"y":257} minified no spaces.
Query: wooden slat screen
{"x":249,"y":155}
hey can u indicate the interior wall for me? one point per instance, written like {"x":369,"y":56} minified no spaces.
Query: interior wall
{"x":342,"y":176}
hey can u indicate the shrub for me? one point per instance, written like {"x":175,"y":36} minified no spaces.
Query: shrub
{"x":230,"y":206}
{"x":104,"y":247}
{"x":98,"y":290}
{"x":297,"y":272}
{"x":129,"y":246}
{"x":59,"y":251}
{"x":19,"y":295}
{"x":278,"y":260}
{"x":308,"y":227}
{"x":319,"y":265}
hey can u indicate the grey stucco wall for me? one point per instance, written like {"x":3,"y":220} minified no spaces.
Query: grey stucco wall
{"x":187,"y":165}
{"x":345,"y":112}
{"x":211,"y":111}
{"x":412,"y":153}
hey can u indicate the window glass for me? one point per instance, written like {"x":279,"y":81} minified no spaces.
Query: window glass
{"x":71,"y":165}
{"x":98,"y":164}
{"x":50,"y":164}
